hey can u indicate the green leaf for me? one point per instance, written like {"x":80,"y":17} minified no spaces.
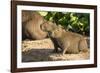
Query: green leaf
{"x":43,"y":13}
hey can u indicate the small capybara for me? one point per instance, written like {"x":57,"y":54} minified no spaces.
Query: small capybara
{"x":69,"y":42}
{"x":48,"y":26}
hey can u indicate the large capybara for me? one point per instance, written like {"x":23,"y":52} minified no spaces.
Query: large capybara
{"x":34,"y":26}
{"x":31,"y":22}
{"x":69,"y":42}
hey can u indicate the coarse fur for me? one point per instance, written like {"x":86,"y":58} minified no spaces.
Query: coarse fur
{"x":48,"y":26}
{"x":68,"y":41}
{"x":31,"y":22}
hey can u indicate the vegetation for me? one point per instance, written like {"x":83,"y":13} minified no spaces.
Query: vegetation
{"x":76,"y":22}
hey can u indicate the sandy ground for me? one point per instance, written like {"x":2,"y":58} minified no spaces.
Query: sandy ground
{"x":42,"y":50}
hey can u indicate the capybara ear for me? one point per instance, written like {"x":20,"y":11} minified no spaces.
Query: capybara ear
{"x":31,"y":23}
{"x":42,"y":27}
{"x":59,"y":28}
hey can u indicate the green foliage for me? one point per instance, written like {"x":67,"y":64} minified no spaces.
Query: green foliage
{"x":76,"y":22}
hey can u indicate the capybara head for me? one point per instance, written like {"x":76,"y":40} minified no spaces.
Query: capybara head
{"x":57,"y":32}
{"x":48,"y":26}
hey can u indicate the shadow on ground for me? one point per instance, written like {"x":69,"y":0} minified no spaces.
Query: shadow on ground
{"x":36,"y":55}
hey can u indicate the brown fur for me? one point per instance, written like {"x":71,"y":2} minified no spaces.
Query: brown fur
{"x":68,"y":41}
{"x":48,"y":26}
{"x":31,"y":22}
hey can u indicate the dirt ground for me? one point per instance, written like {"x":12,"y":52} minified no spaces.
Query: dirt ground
{"x":42,"y":50}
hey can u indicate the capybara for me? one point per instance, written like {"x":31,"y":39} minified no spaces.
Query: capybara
{"x":69,"y":42}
